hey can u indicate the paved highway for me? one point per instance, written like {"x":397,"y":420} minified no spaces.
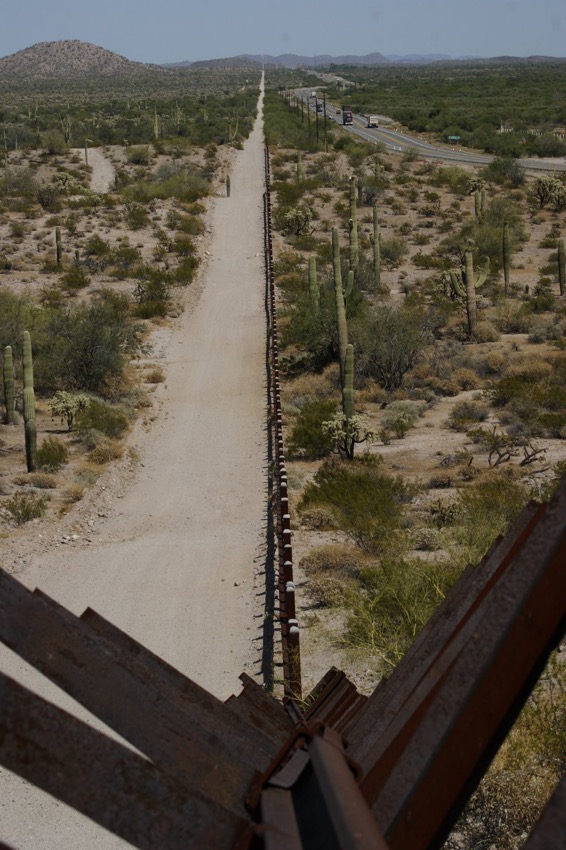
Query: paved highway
{"x":402,"y":142}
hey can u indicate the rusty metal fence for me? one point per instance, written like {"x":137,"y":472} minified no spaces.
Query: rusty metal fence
{"x":342,"y":771}
{"x":279,"y":498}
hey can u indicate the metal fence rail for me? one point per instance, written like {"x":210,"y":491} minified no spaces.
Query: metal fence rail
{"x":290,"y":640}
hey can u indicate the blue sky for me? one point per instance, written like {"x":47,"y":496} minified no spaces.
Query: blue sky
{"x":175,"y":30}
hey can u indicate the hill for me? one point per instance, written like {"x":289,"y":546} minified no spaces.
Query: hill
{"x":72,"y":58}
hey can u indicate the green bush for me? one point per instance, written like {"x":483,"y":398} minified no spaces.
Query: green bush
{"x":102,"y":417}
{"x":23,"y":507}
{"x":52,"y":454}
{"x":308,"y":440}
{"x":366,"y":501}
{"x":394,"y":602}
{"x":74,"y":279}
{"x":486,"y":509}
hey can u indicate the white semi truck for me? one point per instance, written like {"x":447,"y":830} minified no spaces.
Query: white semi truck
{"x":373,"y":120}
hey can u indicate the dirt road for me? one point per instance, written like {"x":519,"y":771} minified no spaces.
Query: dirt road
{"x":178,"y":562}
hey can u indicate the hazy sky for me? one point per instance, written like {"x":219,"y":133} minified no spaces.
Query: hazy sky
{"x":174,"y":30}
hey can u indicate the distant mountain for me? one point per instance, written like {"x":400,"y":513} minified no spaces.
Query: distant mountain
{"x":292,"y":60}
{"x":64,"y":59}
{"x":238,"y":62}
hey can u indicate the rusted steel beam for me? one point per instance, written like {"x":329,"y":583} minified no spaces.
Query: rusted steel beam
{"x":187,"y":694}
{"x":261,"y":711}
{"x":351,"y":817}
{"x":390,"y":696}
{"x":420,"y":772}
{"x":104,"y":780}
{"x":120,"y":689}
{"x":279,"y":824}
{"x":550,"y":832}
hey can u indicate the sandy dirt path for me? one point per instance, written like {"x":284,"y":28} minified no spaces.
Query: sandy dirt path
{"x":102,"y":175}
{"x":178,"y":565}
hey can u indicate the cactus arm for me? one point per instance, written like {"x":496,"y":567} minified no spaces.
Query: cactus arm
{"x":457,"y":281}
{"x":349,"y":284}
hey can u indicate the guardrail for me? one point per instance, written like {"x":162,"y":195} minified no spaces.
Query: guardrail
{"x":279,"y":497}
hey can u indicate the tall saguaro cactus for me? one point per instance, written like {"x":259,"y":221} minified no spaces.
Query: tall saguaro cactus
{"x":340,"y":305}
{"x":314,"y":291}
{"x":348,"y":383}
{"x":561,"y":266}
{"x":465,"y":285}
{"x":376,"y":249}
{"x":58,"y":247}
{"x":29,"y":405}
{"x":506,"y":257}
{"x":354,"y":250}
{"x":8,"y":374}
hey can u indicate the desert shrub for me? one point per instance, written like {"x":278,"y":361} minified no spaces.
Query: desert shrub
{"x":395,"y":601}
{"x":308,"y":439}
{"x":23,"y":507}
{"x":486,"y":332}
{"x":466,"y":379}
{"x":85,"y":348}
{"x":318,"y":518}
{"x":52,"y":454}
{"x":391,"y":343}
{"x":468,"y":412}
{"x":535,"y":393}
{"x":40,"y":480}
{"x":102,"y":417}
{"x":75,"y":278}
{"x":400,"y":416}
{"x":512,"y":318}
{"x":330,"y":571}
{"x":106,"y":451}
{"x":136,"y":216}
{"x":138,"y":155}
{"x":366,"y":501}
{"x":97,"y":246}
{"x":486,"y":509}
{"x":518,"y":784}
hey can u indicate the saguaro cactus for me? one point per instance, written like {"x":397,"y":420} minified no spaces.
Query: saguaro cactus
{"x":506,"y":247}
{"x":561,"y":266}
{"x":228,"y":186}
{"x":314,"y":291}
{"x":354,"y":250}
{"x":465,"y":284}
{"x":58,"y":247}
{"x":376,"y":249}
{"x":340,"y":306}
{"x":348,"y":383}
{"x":8,"y":374}
{"x":29,"y":405}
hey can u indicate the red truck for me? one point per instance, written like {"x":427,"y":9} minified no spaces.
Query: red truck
{"x":347,"y":117}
